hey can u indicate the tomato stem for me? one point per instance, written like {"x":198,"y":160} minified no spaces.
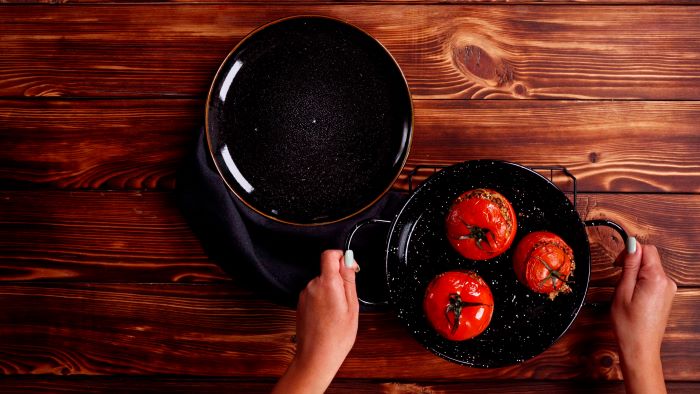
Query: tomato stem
{"x":552,"y":274}
{"x":456,"y":304}
{"x":479,"y":234}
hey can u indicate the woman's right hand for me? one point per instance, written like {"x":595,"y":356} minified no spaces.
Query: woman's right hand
{"x":327,"y":316}
{"x":640,"y":310}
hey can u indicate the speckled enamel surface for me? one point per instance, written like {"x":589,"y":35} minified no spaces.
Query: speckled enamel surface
{"x":524,"y":323}
{"x":309,"y":120}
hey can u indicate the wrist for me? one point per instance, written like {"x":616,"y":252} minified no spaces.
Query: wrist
{"x":642,"y":372}
{"x":640,"y":354}
{"x":303,"y":376}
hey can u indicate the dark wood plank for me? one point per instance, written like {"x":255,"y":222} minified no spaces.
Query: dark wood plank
{"x":89,"y":144}
{"x":607,"y":146}
{"x":667,"y":221}
{"x":101,"y":236}
{"x":142,"y":237}
{"x":445,"y":51}
{"x":397,"y":2}
{"x":215,"y":330}
{"x":116,"y":144}
{"x":150,"y":384}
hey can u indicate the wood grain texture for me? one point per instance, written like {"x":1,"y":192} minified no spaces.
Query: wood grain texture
{"x":118,"y":144}
{"x":101,"y":236}
{"x":109,"y":291}
{"x":594,"y":52}
{"x":88,"y":144}
{"x":396,"y":2}
{"x":151,"y":384}
{"x":142,"y":237}
{"x":216,"y":330}
{"x":607,"y":146}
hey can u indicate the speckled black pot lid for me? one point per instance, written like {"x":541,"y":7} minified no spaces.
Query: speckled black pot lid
{"x":309,"y":120}
{"x":524,"y":323}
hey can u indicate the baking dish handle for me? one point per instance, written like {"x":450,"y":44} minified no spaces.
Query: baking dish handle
{"x":608,"y":223}
{"x":623,"y":234}
{"x":382,"y":301}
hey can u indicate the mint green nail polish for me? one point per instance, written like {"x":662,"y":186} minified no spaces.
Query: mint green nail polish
{"x":349,"y":258}
{"x":631,"y":245}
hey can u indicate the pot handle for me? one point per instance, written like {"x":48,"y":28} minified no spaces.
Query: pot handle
{"x":348,"y":243}
{"x":616,"y":227}
{"x":608,"y":223}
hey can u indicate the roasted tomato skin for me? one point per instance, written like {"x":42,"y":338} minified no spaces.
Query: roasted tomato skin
{"x":460,"y":297}
{"x":544,"y":262}
{"x":481,"y":224}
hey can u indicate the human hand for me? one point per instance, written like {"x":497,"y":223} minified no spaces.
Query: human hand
{"x":327,"y":316}
{"x":640,"y":310}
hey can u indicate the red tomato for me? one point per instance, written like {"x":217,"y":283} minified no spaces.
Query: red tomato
{"x":481,"y":224}
{"x":458,"y":304}
{"x":543,"y":262}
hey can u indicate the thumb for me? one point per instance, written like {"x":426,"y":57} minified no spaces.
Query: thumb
{"x":348,"y":267}
{"x":630,"y":269}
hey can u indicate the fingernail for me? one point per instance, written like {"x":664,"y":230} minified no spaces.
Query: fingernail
{"x":631,"y":245}
{"x":349,"y":258}
{"x":357,"y":268}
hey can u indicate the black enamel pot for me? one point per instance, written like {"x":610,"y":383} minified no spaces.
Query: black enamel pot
{"x":309,"y":120}
{"x":524,"y":323}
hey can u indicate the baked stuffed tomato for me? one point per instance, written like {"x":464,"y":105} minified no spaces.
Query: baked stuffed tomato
{"x":481,"y":224}
{"x":544,"y":263}
{"x":458,"y":305}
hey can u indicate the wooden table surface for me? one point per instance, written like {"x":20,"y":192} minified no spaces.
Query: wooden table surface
{"x":104,"y":288}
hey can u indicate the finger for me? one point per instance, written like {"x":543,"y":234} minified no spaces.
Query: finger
{"x":349,"y":260}
{"x":651,"y":260}
{"x":348,"y":275}
{"x":347,"y":267}
{"x":631,"y":245}
{"x":651,"y":268}
{"x":630,"y":270}
{"x":329,"y":262}
{"x":630,"y":248}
